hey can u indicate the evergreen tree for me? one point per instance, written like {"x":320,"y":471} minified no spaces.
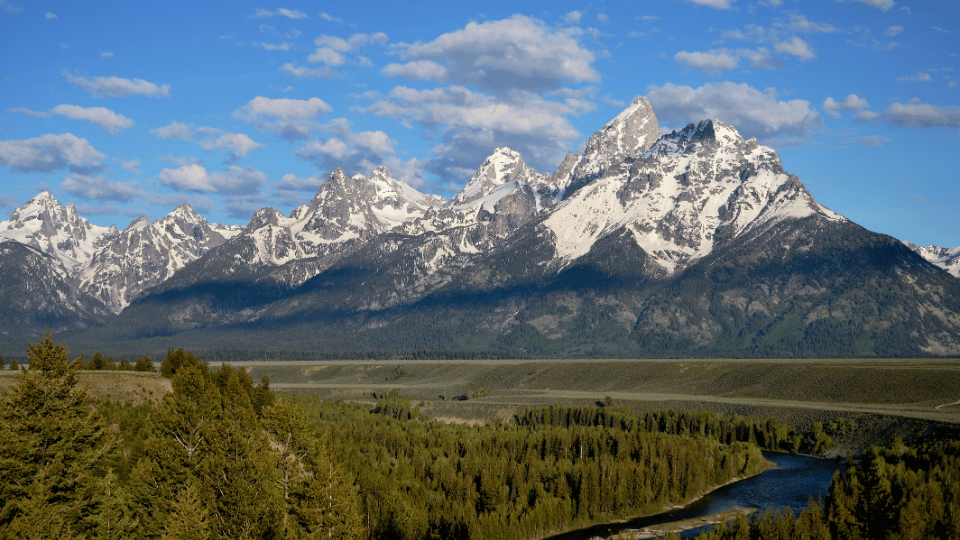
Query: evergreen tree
{"x":144,"y":364}
{"x":53,"y":444}
{"x":14,"y":366}
{"x":189,"y":517}
{"x":111,"y":517}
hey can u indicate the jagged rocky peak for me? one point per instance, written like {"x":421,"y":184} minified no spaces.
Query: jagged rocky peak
{"x":503,"y":167}
{"x":629,"y":134}
{"x":947,"y":258}
{"x":264,"y":217}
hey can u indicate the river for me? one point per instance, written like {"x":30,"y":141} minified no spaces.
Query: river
{"x":791,"y":484}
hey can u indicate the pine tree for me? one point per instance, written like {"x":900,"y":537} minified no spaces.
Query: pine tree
{"x":189,"y":518}
{"x":14,"y":366}
{"x":53,"y":444}
{"x":111,"y":517}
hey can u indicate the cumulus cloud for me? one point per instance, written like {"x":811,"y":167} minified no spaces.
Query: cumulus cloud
{"x":355,"y":41}
{"x":28,"y":112}
{"x":132,"y":166}
{"x":106,"y":54}
{"x":108,"y":120}
{"x":352,"y":151}
{"x":327,"y":56}
{"x":572,"y":18}
{"x":290,"y":182}
{"x":289,"y":118}
{"x":262,"y":13}
{"x":760,"y":58}
{"x":174,"y":131}
{"x":51,"y":15}
{"x":502,"y":56}
{"x":51,"y":152}
{"x":882,"y":5}
{"x":919,"y":77}
{"x":917,"y":114}
{"x":232,"y":145}
{"x":99,"y":188}
{"x":285,"y":46}
{"x":234,"y":180}
{"x":851,"y":103}
{"x":796,"y":47}
{"x":753,"y":112}
{"x":711,"y":63}
{"x":101,"y":87}
{"x":307,"y":73}
{"x":468,"y":125}
{"x":892,"y":31}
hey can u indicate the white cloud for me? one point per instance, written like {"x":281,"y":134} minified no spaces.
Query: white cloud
{"x":518,"y":53}
{"x":51,"y":15}
{"x":333,"y":42}
{"x":468,"y":125}
{"x":290,"y":182}
{"x":327,"y":17}
{"x":760,"y":58}
{"x":713,"y":62}
{"x":882,"y":5}
{"x":716,"y":4}
{"x":108,"y":120}
{"x":919,"y":77}
{"x":50,"y":152}
{"x":917,"y":114}
{"x":292,"y":13}
{"x":132,"y":166}
{"x":796,"y":47}
{"x":892,"y":31}
{"x":117,"y":87}
{"x":175,"y":130}
{"x":289,"y":118}
{"x":327,"y":56}
{"x":572,"y":18}
{"x":232,"y":145}
{"x":285,"y":46}
{"x":99,"y":188}
{"x":237,"y":144}
{"x":28,"y":112}
{"x":421,"y":69}
{"x":186,"y":178}
{"x":603,"y":18}
{"x":753,"y":112}
{"x":353,"y":151}
{"x":307,"y":73}
{"x":235,"y":180}
{"x":851,"y":103}
{"x":799,"y":23}
{"x":105,"y":54}
{"x":261,"y":13}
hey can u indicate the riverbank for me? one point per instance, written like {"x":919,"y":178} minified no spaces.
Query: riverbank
{"x":677,"y":527}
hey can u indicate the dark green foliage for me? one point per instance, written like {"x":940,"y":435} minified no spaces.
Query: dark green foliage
{"x":177,"y":359}
{"x":896,"y":492}
{"x":422,"y":479}
{"x":14,"y":366}
{"x":144,"y":364}
{"x":54,"y":445}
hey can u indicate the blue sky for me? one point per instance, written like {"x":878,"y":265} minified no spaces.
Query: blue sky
{"x":129,"y":108}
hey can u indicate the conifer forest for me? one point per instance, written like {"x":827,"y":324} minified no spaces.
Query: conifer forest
{"x":224,"y":457}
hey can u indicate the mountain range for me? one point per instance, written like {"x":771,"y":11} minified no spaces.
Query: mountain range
{"x":691,"y":243}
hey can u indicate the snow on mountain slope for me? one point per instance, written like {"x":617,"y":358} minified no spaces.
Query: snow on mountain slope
{"x":146,"y":254}
{"x":628,"y":135}
{"x":59,"y":231}
{"x":689,"y":191}
{"x":946,"y":258}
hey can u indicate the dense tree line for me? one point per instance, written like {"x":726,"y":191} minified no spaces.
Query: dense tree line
{"x":217,"y":458}
{"x":769,"y":434}
{"x":423,"y":479}
{"x":893,"y":493}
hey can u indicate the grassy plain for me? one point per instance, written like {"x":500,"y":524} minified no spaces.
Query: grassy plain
{"x":123,"y":386}
{"x":904,"y":397}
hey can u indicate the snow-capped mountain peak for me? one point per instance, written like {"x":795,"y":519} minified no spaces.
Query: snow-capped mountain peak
{"x":691,"y":189}
{"x":626,"y":136}
{"x":947,"y":258}
{"x":44,"y":223}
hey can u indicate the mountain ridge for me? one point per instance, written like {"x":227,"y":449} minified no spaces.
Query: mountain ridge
{"x":598,"y":257}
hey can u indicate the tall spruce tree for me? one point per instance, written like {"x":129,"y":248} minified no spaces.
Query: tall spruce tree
{"x":53,"y":447}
